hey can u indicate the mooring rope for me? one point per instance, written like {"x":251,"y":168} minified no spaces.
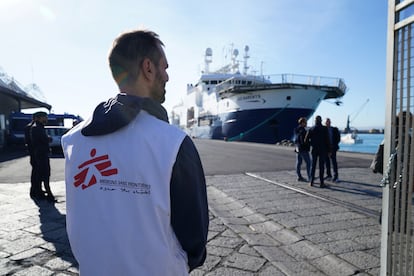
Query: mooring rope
{"x":241,"y":134}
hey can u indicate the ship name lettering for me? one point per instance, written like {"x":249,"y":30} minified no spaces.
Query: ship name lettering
{"x":248,"y":97}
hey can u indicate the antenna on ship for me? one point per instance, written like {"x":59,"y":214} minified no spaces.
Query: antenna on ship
{"x":246,"y":57}
{"x":208,"y":58}
{"x":234,"y":63}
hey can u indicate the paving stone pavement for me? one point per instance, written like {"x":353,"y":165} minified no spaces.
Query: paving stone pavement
{"x":256,"y":228}
{"x":297,"y":234}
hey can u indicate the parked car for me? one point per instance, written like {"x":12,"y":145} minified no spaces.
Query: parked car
{"x":55,"y":133}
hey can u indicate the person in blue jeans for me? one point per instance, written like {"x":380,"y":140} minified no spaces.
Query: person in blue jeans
{"x":334,"y":139}
{"x":318,"y":138}
{"x":302,"y":149}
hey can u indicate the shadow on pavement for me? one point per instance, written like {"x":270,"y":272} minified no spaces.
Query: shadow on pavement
{"x":53,"y":228}
{"x":356,"y":191}
{"x":363,"y":184}
{"x":11,"y":153}
{"x":16,"y":152}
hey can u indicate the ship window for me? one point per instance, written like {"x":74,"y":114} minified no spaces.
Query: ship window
{"x":249,"y":82}
{"x":243,"y":82}
{"x":213,"y":82}
{"x":288,"y":98}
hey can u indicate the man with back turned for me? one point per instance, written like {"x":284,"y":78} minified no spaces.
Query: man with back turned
{"x":302,"y":149}
{"x":40,"y":145}
{"x":318,"y":138}
{"x":334,"y":140}
{"x":135,"y":186}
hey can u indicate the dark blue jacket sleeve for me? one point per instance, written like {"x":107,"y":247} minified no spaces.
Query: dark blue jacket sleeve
{"x":189,"y":207}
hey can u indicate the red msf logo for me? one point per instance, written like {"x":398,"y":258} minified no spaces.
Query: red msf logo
{"x":102,"y":164}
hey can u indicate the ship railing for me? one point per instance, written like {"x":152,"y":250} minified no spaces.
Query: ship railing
{"x":281,"y":79}
{"x":308,"y":80}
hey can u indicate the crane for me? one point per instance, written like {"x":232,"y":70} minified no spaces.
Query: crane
{"x":348,"y":121}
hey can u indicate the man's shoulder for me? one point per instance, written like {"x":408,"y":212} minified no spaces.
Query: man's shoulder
{"x":76,"y":130}
{"x":160,"y":125}
{"x":36,"y":127}
{"x":299,"y":129}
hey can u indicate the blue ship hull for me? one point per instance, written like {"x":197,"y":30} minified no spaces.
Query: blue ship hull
{"x":267,"y":126}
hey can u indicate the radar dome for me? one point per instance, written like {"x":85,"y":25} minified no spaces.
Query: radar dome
{"x":209,"y":52}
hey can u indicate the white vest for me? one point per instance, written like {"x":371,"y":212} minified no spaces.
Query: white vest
{"x":118,"y":199}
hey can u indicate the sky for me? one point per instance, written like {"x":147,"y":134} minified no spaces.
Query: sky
{"x":62,"y":46}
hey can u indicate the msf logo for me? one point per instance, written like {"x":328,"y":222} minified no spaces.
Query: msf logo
{"x":101,"y":163}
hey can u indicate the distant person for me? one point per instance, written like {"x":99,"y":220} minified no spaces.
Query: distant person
{"x":40,"y":143}
{"x":302,"y":149}
{"x":377,"y":163}
{"x":318,"y":138}
{"x":334,"y":140}
{"x":136,"y":191}
{"x":29,"y":146}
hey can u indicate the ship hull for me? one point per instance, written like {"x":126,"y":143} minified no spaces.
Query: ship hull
{"x":267,"y":116}
{"x":262,"y":125}
{"x":239,"y":109}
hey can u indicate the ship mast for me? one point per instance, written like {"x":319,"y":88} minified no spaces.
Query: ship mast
{"x":245,"y":58}
{"x":234,"y":62}
{"x":208,"y":58}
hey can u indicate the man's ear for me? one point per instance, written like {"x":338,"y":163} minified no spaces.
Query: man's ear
{"x":148,"y":69}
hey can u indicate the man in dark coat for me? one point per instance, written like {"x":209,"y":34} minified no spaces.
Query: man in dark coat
{"x":29,"y":146}
{"x":334,"y":139}
{"x":318,"y":138}
{"x":302,"y":149}
{"x":40,"y":144}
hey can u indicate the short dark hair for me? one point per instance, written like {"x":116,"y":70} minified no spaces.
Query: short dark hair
{"x":39,"y":114}
{"x":318,"y":119}
{"x":128,"y":52}
{"x":302,"y":120}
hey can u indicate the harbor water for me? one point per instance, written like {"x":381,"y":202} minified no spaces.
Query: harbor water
{"x":369,"y":144}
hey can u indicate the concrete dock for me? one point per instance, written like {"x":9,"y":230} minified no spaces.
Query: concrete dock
{"x":261,"y":223}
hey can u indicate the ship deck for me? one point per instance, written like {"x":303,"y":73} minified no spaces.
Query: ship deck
{"x":334,"y":87}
